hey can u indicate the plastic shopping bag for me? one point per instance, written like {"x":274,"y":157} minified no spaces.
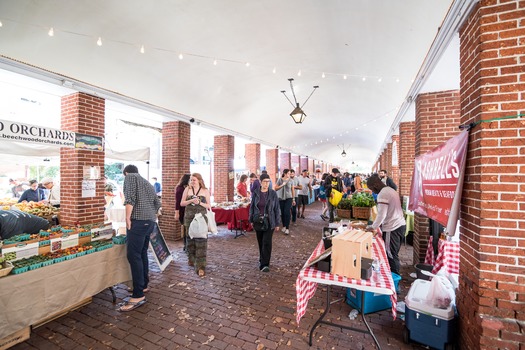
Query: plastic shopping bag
{"x":212,"y":225}
{"x":198,"y":227}
{"x":441,"y":293}
{"x":335,"y":197}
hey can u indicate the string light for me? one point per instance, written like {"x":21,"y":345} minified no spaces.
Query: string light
{"x":51,"y":31}
{"x":142,"y":49}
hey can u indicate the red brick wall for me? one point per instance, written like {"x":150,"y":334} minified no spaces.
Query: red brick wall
{"x":394,"y":169}
{"x":175,"y":163}
{"x":437,"y":120}
{"x":406,"y":156}
{"x":224,"y":146}
{"x":304,"y":164}
{"x":491,"y":297}
{"x":311,"y":166}
{"x":382,"y":159}
{"x":272,"y":159}
{"x":295,"y":163}
{"x":252,"y":153}
{"x":84,"y":114}
{"x":285,"y":161}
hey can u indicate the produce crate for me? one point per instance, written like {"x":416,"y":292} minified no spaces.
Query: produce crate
{"x":361,"y":212}
{"x":347,"y":250}
{"x":344,"y":213}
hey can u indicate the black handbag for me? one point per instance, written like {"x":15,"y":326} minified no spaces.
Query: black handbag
{"x":262,"y":223}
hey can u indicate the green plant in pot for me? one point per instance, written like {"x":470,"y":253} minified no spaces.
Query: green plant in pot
{"x":361,"y":203}
{"x":344,"y":208}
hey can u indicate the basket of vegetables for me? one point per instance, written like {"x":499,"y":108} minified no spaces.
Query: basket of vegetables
{"x":361,"y":204}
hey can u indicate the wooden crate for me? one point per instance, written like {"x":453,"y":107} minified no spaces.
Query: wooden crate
{"x":347,"y":250}
{"x":15,"y":338}
{"x":344,"y":213}
{"x":361,"y":212}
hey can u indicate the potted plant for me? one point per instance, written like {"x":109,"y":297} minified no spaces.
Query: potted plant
{"x":361,"y":204}
{"x":344,"y":208}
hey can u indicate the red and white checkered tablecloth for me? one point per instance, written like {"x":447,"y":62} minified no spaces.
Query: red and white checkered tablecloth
{"x":448,"y":256}
{"x":381,"y":282}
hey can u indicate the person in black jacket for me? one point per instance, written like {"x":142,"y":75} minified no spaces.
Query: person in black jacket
{"x":387,"y":180}
{"x":265,"y":214}
{"x":332,"y":181}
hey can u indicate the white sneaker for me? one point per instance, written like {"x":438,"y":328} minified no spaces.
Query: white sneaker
{"x":283,"y":229}
{"x":287,"y":232}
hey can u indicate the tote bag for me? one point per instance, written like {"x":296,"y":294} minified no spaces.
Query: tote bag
{"x":212,"y":225}
{"x":336,"y":198}
{"x":198,"y":227}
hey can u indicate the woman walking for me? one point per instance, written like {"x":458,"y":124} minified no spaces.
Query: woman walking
{"x":286,"y":193}
{"x":196,"y":199}
{"x":264,"y":214}
{"x":179,"y":209}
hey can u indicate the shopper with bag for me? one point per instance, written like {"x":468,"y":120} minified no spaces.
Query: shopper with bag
{"x":196,"y":199}
{"x":179,"y":209}
{"x":264,"y":215}
{"x":334,"y":187}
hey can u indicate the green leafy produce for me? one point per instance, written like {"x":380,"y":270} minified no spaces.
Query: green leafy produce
{"x":345,"y":203}
{"x":362,"y":199}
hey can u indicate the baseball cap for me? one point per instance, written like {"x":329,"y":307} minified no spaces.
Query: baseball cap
{"x":304,"y":171}
{"x":335,"y":171}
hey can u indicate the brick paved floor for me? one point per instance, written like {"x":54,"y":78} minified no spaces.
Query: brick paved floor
{"x":234,"y":307}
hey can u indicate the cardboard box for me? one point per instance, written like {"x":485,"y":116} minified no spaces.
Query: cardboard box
{"x":19,"y":251}
{"x":347,"y":250}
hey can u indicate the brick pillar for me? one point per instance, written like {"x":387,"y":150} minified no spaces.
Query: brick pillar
{"x":295,"y":163}
{"x":394,"y":170}
{"x":272,"y":159}
{"x":252,"y":153}
{"x":382,"y":159}
{"x":223,"y":156}
{"x":84,"y":114}
{"x":311,"y":166}
{"x":437,"y":120}
{"x":407,"y":145}
{"x":388,"y":159}
{"x":285,"y":161}
{"x":491,"y":296}
{"x":175,"y":163}
{"x":304,"y":164}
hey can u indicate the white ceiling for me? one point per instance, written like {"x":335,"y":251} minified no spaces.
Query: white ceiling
{"x":379,"y":45}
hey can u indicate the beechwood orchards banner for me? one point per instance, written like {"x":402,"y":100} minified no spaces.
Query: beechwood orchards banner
{"x":437,"y":182}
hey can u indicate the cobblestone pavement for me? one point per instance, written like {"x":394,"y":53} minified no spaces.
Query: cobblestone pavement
{"x":234,"y":307}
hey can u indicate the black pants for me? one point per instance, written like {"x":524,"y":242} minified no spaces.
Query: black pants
{"x":264,"y":238}
{"x":396,"y":237}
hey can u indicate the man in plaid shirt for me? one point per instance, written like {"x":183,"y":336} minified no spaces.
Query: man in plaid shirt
{"x":142,"y":205}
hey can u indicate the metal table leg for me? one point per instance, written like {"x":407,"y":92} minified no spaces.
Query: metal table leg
{"x":320,"y":320}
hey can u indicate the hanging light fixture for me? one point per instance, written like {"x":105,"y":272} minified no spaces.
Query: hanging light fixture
{"x":343,"y":154}
{"x":297,"y":114}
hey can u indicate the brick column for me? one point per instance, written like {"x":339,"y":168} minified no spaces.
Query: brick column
{"x":407,"y":146}
{"x":311,"y":166}
{"x":252,"y":153}
{"x":295,"y":163}
{"x":304,"y":164}
{"x":223,"y":186}
{"x":437,"y":120}
{"x":175,"y":163}
{"x":491,"y":296}
{"x":285,"y":161}
{"x":394,"y":170}
{"x":272,"y":159}
{"x":388,"y":159}
{"x":84,"y":114}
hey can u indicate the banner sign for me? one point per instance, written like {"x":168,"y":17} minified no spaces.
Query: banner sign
{"x":14,"y":131}
{"x":437,"y":182}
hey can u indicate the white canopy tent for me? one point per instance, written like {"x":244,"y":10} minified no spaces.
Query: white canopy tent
{"x":37,"y":154}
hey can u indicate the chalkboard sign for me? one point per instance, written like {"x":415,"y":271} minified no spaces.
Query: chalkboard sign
{"x":160,"y":248}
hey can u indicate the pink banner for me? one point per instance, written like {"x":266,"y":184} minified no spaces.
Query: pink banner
{"x":437,"y":182}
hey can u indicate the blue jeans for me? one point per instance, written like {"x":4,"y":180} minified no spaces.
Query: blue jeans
{"x":286,"y":206}
{"x":137,"y":243}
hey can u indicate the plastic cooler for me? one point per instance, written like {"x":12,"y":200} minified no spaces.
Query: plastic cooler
{"x":426,"y":324}
{"x":372,"y":301}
